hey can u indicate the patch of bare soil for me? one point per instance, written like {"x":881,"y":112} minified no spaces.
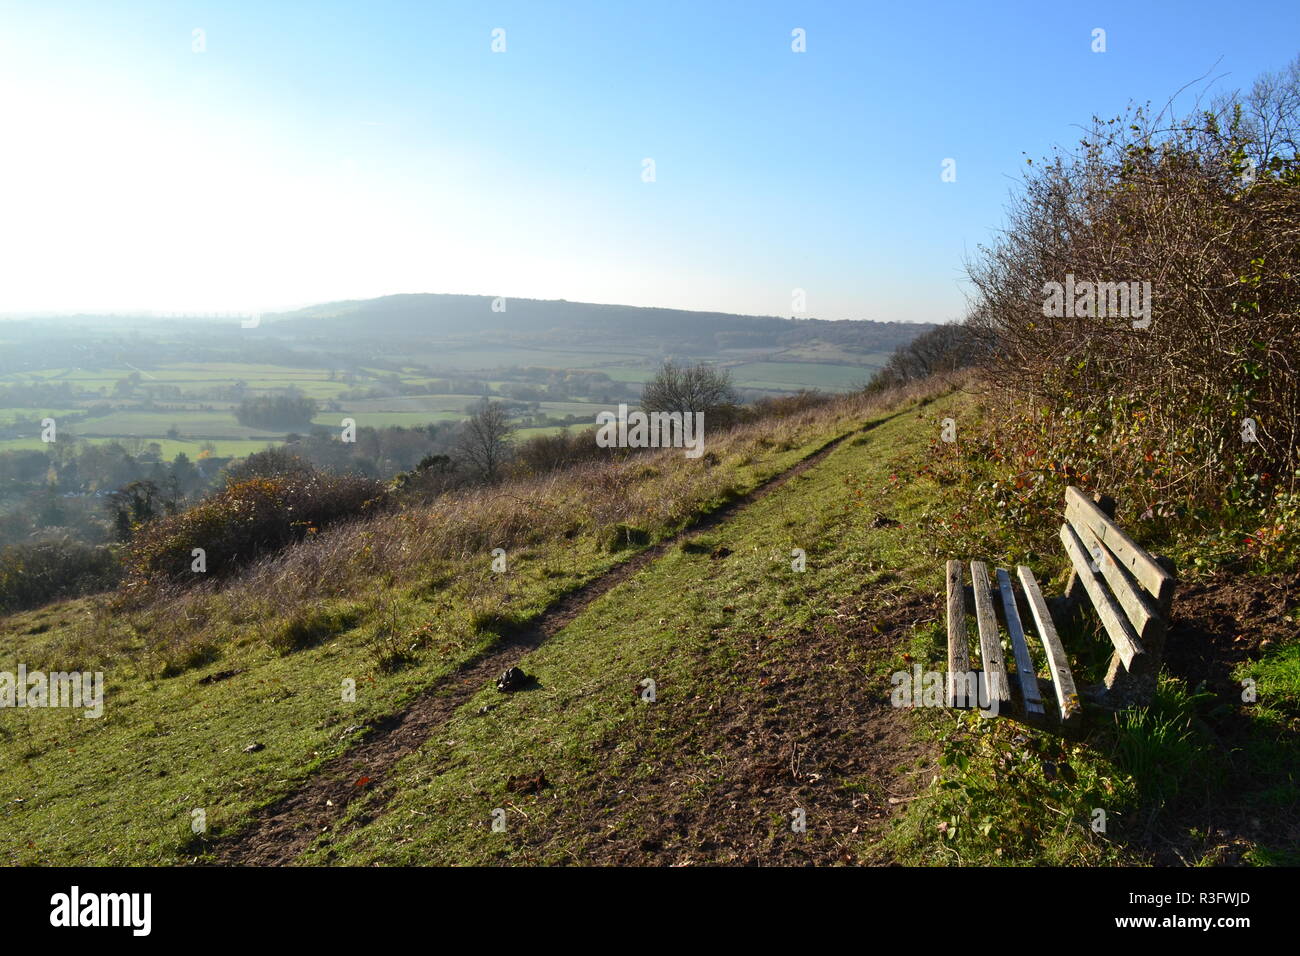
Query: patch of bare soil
{"x":281,"y":831}
{"x":793,"y":728}
{"x":1218,"y":623}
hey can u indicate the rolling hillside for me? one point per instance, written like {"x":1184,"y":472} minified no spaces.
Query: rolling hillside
{"x":693,"y":686}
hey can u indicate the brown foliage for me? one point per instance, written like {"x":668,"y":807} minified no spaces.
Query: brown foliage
{"x":1209,"y":215}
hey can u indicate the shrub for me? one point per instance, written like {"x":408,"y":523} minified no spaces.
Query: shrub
{"x":35,"y":574}
{"x":1190,"y":402}
{"x":692,"y":388}
{"x":547,"y":453}
{"x":947,"y":348}
{"x":269,"y":463}
{"x":244,"y":520}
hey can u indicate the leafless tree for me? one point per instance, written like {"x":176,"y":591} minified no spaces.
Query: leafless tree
{"x":484,"y":440}
{"x":691,"y":388}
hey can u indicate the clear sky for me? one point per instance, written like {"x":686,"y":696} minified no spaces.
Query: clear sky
{"x":318,"y":150}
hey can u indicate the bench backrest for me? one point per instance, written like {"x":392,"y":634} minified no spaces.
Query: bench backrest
{"x":1130,"y":590}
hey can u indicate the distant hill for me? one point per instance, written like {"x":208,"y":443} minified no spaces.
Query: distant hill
{"x":557,"y":323}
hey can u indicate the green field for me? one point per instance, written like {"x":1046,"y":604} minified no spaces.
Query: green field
{"x":225,"y":447}
{"x":784,"y":376}
{"x":190,"y":424}
{"x":10,"y":415}
{"x":482,"y":359}
{"x":197,"y":399}
{"x":198,"y":419}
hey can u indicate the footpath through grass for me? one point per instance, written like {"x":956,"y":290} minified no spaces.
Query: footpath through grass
{"x":219,"y":703}
{"x":770,"y":685}
{"x":770,"y":699}
{"x":771,"y":690}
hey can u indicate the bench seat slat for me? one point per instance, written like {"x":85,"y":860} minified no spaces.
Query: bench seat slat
{"x":1024,"y":662}
{"x":958,"y":647}
{"x":1067,"y":698}
{"x":995,"y":671}
{"x":1126,"y":641}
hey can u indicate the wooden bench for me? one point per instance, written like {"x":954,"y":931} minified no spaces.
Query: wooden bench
{"x":1130,"y":590}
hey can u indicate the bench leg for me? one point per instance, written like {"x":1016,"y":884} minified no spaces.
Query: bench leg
{"x":1124,"y":688}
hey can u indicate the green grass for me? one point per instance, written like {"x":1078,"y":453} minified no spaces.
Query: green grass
{"x":225,"y":447}
{"x":333,"y":420}
{"x":190,"y":423}
{"x":475,"y":359}
{"x":791,"y":375}
{"x":704,"y":612}
{"x":121,"y":789}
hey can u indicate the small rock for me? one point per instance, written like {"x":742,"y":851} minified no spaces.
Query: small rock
{"x":527,"y":783}
{"x":254,"y":748}
{"x":513,"y":679}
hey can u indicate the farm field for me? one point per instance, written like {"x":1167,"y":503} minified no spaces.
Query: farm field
{"x":477,"y":359}
{"x":194,"y":402}
{"x":170,"y":448}
{"x":794,"y":375}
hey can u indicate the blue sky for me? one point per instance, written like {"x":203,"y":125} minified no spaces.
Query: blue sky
{"x":318,"y":151}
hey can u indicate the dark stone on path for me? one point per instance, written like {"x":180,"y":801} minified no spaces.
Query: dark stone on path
{"x":513,"y":679}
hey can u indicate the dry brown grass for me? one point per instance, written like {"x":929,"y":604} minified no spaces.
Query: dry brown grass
{"x":435,"y":555}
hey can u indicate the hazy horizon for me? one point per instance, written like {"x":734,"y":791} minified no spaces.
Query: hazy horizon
{"x":203,"y":314}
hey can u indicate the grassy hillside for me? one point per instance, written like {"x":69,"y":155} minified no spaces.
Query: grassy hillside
{"x":770,"y":684}
{"x":393,"y":604}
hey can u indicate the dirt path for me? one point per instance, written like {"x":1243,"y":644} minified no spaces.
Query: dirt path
{"x":791,"y":730}
{"x":281,"y":831}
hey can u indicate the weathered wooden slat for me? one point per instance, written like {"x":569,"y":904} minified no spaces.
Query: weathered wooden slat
{"x":1024,"y":663}
{"x":1158,"y":582}
{"x":1121,"y":632}
{"x":958,"y":647}
{"x":995,"y":671}
{"x":1067,"y":698}
{"x":1138,"y":606}
{"x":1074,"y":593}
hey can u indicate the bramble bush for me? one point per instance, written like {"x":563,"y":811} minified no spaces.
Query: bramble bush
{"x":1187,"y":410}
{"x":244,"y":520}
{"x":37,"y":573}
